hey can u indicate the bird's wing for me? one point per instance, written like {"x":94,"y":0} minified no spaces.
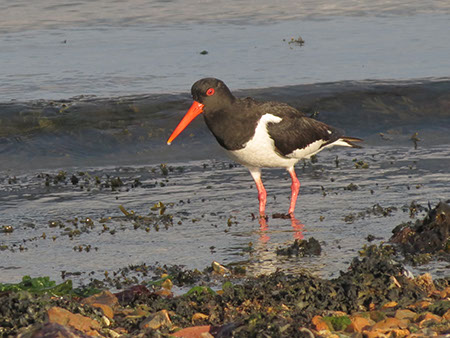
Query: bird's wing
{"x":279,"y":109}
{"x":292,"y":134}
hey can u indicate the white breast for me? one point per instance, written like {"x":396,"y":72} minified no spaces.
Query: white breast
{"x":260,"y":150}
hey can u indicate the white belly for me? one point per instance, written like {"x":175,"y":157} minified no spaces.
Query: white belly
{"x":260,"y":150}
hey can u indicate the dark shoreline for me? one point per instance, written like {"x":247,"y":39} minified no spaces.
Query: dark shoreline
{"x":375,"y":296}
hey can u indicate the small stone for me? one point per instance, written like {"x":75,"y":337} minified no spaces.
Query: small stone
{"x":106,"y":309}
{"x":377,"y":316}
{"x":445,"y":293}
{"x":374,"y":334}
{"x":399,"y":333}
{"x":446,"y":315}
{"x":167,"y":284}
{"x":425,"y":282}
{"x":394,"y":283}
{"x":104,"y":300}
{"x":389,"y":305}
{"x":106,"y":321}
{"x":128,"y":295}
{"x":320,"y":323}
{"x":112,"y":333}
{"x":192,"y":332}
{"x":220,"y":269}
{"x":164,"y":293}
{"x":156,"y":321}
{"x":199,"y":316}
{"x":390,"y":323}
{"x":53,"y":330}
{"x":428,"y":318}
{"x":306,"y":332}
{"x":328,"y":334}
{"x":425,"y":332}
{"x":66,"y":318}
{"x":423,"y":304}
{"x":358,"y":324}
{"x":404,"y":314}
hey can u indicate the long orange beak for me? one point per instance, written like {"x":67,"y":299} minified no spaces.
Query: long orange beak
{"x":192,"y":113}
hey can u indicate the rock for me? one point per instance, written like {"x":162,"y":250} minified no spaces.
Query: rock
{"x":377,"y":316}
{"x":358,"y":324}
{"x":426,"y":332}
{"x":327,"y":334}
{"x":220,"y":269}
{"x":53,"y":330}
{"x":390,"y":324}
{"x":199,"y":317}
{"x":423,"y":304}
{"x":192,"y":332}
{"x":112,"y":333}
{"x":158,"y":320}
{"x":446,"y":315}
{"x":427,"y":318}
{"x":389,"y":305}
{"x":445,"y":293}
{"x":425,"y":282}
{"x":374,"y":334}
{"x":129,"y":295}
{"x":164,"y":293}
{"x":404,"y":314}
{"x":104,"y":300}
{"x":106,"y":321}
{"x":206,"y":335}
{"x":167,"y":284}
{"x":320,"y":323}
{"x":399,"y":333}
{"x":306,"y":332}
{"x":66,"y":318}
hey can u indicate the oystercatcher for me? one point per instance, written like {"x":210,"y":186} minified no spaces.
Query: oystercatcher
{"x":260,"y":134}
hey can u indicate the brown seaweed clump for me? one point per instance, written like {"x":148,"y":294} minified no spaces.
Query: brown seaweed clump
{"x":426,"y":239}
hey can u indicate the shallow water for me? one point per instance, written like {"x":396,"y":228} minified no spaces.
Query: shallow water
{"x":94,"y":90}
{"x":114,"y":61}
{"x":211,"y":203}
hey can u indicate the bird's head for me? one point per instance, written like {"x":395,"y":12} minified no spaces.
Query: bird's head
{"x":209,"y":94}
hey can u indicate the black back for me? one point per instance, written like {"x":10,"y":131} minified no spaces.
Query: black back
{"x":233,"y":121}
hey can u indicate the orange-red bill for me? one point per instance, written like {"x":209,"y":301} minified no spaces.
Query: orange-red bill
{"x":192,"y":113}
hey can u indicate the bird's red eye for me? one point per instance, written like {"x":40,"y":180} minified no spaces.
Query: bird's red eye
{"x":210,"y":91}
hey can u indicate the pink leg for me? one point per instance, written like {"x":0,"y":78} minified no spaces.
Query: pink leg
{"x":295,"y":187}
{"x":262,"y":195}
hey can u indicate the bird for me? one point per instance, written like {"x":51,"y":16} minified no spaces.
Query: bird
{"x":260,"y":134}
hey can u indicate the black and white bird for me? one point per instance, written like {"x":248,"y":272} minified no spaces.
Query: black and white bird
{"x":260,"y":134}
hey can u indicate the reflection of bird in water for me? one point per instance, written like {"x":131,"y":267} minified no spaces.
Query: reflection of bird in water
{"x":264,"y":258}
{"x":296,"y":225}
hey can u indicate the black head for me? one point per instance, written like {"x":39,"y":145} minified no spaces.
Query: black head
{"x":211,"y":92}
{"x":210,"y":96}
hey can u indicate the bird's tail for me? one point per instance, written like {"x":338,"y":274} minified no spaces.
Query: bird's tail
{"x":348,"y":142}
